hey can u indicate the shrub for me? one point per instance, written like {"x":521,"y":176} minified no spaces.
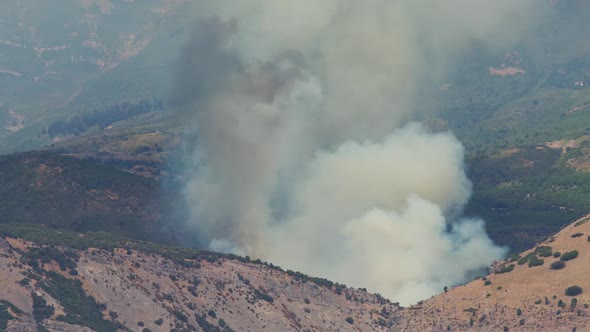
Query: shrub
{"x":212,"y":313}
{"x":487,"y":283}
{"x":521,"y":322}
{"x":544,"y":251}
{"x":527,"y":258}
{"x":514,"y":258}
{"x":263,"y":295}
{"x":41,"y":310}
{"x":505,"y":269}
{"x":577,"y":234}
{"x":560,"y":304}
{"x":181,"y":316}
{"x":556,"y":254}
{"x":588,"y":238}
{"x":573,"y":290}
{"x":535,"y":261}
{"x":349,"y":320}
{"x":567,"y":256}
{"x":557,"y":265}
{"x":159,"y":321}
{"x":518,"y":312}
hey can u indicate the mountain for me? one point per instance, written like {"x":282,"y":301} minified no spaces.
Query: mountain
{"x":522,"y":114}
{"x":86,"y":85}
{"x":63,"y":281}
{"x":42,"y":188}
{"x":525,"y":106}
{"x":536,"y":290}
{"x":72,"y":56}
{"x":68,"y":282}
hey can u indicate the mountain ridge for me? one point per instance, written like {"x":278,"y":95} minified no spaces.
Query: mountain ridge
{"x":203,"y":291}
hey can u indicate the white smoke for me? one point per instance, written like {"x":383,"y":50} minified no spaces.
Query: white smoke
{"x":305,"y":157}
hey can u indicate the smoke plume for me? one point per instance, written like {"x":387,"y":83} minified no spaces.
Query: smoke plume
{"x":306,"y":156}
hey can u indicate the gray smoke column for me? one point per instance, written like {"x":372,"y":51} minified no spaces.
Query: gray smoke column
{"x":305,"y":156}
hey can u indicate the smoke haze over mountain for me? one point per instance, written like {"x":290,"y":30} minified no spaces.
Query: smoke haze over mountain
{"x":306,"y":156}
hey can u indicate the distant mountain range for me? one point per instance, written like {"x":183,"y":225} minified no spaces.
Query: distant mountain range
{"x":69,"y":56}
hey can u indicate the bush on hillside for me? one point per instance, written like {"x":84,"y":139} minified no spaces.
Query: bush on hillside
{"x":514,"y":258}
{"x":535,"y":261}
{"x":557,"y":265}
{"x":505,"y":269}
{"x":544,"y":251}
{"x":526,"y":258}
{"x":573,"y":290}
{"x":567,"y":256}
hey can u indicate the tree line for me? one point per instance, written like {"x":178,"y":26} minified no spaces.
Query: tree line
{"x":102,"y":118}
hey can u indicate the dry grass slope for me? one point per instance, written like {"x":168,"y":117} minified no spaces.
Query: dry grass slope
{"x":528,"y":298}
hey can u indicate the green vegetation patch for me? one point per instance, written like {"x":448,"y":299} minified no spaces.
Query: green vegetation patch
{"x":526,"y":259}
{"x":535,"y":261}
{"x":543,"y":251}
{"x":568,"y":256}
{"x":80,"y":309}
{"x":41,"y":310}
{"x":557,"y":265}
{"x":515,"y":258}
{"x":505,"y":269}
{"x":5,"y":314}
{"x":573,"y":290}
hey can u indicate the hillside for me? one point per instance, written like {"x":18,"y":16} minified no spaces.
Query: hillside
{"x":72,"y":56}
{"x":532,"y":95}
{"x":83,"y":195}
{"x":102,"y":282}
{"x":131,"y":286}
{"x":527,"y":292}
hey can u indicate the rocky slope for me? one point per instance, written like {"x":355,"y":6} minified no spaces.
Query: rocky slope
{"x":59,"y":281}
{"x":62,"y":289}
